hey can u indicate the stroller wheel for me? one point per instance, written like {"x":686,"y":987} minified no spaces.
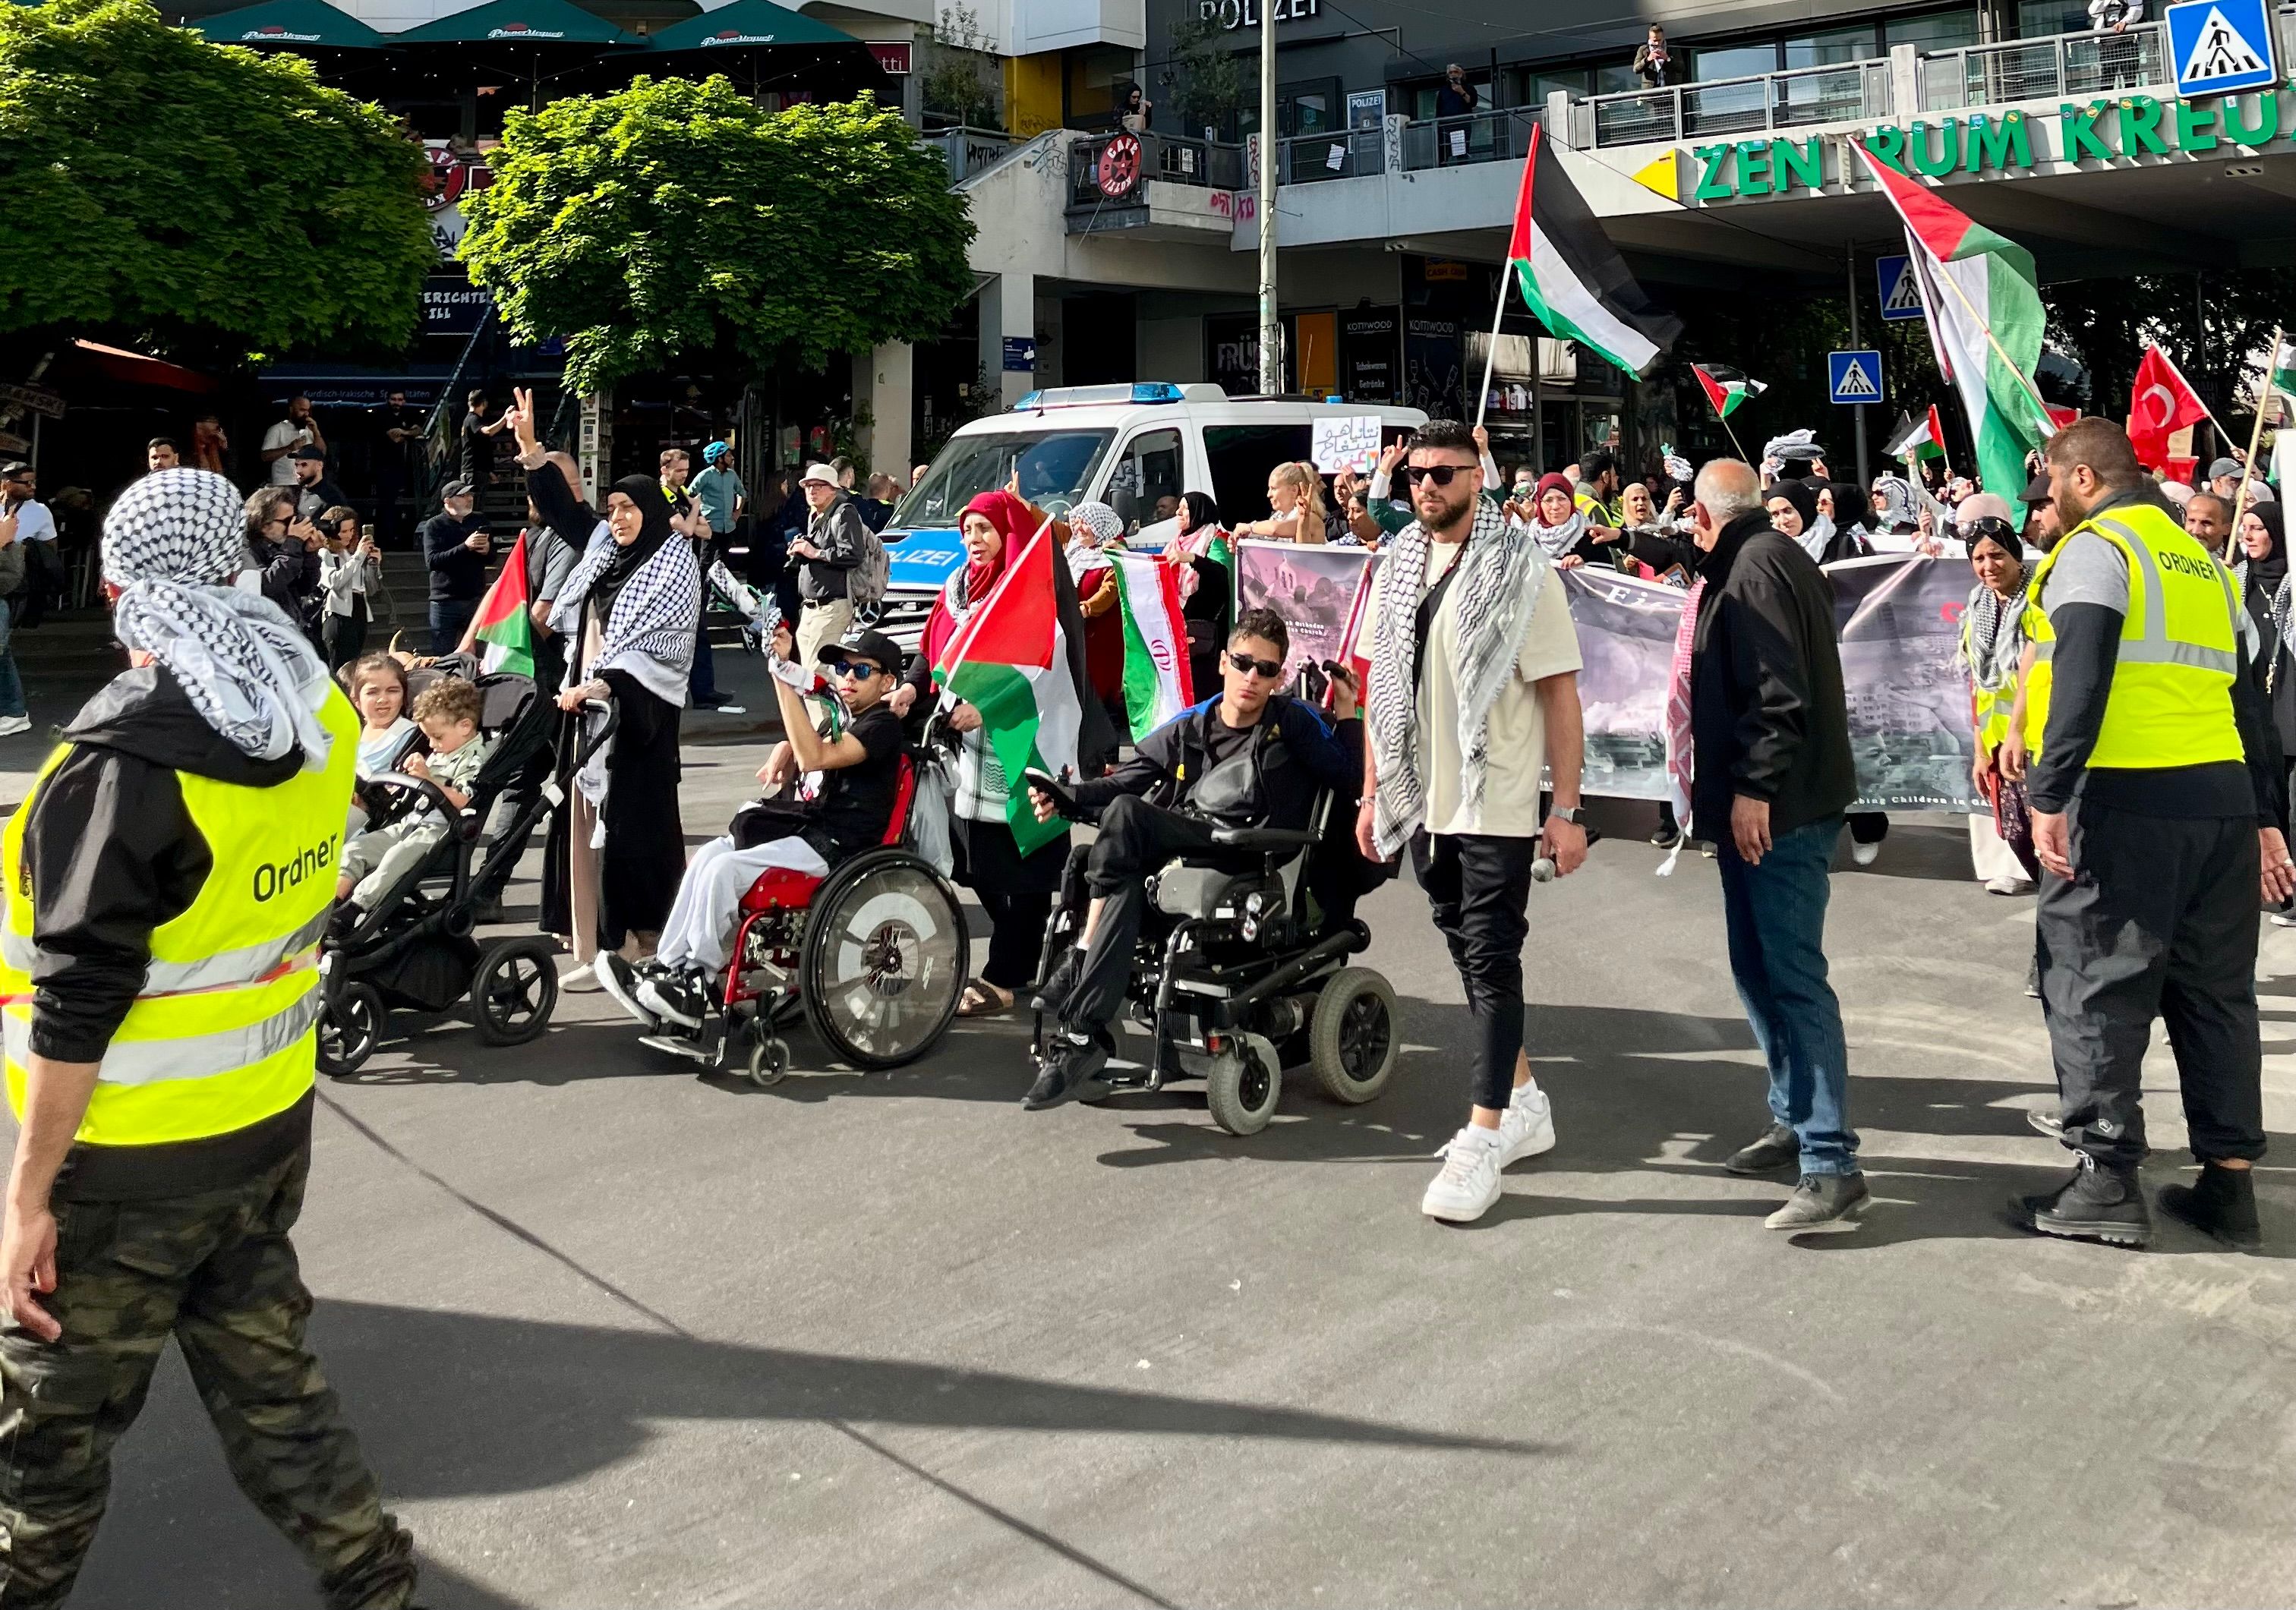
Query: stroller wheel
{"x":515,"y":991}
{"x":769,"y":1058}
{"x":351,"y":1027}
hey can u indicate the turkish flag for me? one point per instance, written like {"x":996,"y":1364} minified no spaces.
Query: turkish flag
{"x":2160,"y":403}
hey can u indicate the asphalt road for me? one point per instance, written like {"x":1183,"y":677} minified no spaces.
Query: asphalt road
{"x":617,"y":1335}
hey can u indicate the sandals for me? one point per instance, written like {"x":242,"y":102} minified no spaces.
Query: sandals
{"x":982,"y":999}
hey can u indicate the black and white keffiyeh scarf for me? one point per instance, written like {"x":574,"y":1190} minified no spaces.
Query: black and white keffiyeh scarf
{"x":172,"y":544}
{"x":1559,"y":540}
{"x":648,"y":631}
{"x":1497,"y":584}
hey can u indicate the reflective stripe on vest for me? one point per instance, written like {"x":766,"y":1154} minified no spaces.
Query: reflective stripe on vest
{"x":1991,"y":707}
{"x":2170,"y":702}
{"x":222,"y":1033}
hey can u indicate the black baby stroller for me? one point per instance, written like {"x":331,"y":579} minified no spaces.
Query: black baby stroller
{"x":415,"y":949}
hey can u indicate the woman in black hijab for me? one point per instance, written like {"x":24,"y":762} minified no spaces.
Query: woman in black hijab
{"x":628,"y":615}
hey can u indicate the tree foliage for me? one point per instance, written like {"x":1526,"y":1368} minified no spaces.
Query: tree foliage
{"x":2217,"y":325}
{"x":194,"y":196}
{"x":675,"y":220}
{"x":1204,"y":76}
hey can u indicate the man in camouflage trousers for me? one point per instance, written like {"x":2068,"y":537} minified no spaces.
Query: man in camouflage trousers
{"x":165,"y":886}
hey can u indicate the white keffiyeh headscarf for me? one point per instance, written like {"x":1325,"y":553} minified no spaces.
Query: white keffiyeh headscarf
{"x":1092,"y":527}
{"x":172,"y":544}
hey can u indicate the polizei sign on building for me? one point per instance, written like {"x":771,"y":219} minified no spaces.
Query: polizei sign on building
{"x":2136,"y":127}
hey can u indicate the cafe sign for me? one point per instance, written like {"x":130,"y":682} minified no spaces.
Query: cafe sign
{"x":2136,"y":126}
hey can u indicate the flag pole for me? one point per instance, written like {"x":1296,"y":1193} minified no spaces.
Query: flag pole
{"x":1725,"y":420}
{"x":2222,"y":434}
{"x":2048,"y":425}
{"x":1491,"y":352}
{"x":2255,"y":434}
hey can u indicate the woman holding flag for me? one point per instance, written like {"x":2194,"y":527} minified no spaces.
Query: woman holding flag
{"x":1015,"y":887}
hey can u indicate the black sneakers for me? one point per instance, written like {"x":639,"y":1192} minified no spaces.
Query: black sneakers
{"x":675,"y":994}
{"x":1779,"y":1148}
{"x":2221,"y":1203}
{"x":1072,"y":1064}
{"x":2097,"y":1204}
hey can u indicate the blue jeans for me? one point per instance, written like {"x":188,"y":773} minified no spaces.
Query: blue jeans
{"x":11,"y":686}
{"x":1775,"y":913}
{"x":449,"y":618}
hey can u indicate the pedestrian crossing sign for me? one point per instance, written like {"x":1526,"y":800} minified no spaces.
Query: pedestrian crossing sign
{"x":2219,"y":47}
{"x":1901,"y":287}
{"x":1854,"y":377}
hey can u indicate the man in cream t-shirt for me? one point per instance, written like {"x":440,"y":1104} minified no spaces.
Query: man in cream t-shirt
{"x":1494,"y":619}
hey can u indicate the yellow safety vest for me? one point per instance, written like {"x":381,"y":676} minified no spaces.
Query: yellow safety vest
{"x":2171,"y":699}
{"x":222,"y":1034}
{"x":1992,"y":707}
{"x":1596,"y":511}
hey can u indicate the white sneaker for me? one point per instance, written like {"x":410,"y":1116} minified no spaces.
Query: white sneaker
{"x":2284,"y":919}
{"x":10,"y":725}
{"x":1470,"y":1181}
{"x":1865,"y":855}
{"x":2007,"y":886}
{"x":1527,"y":1127}
{"x":620,"y":982}
{"x":578,"y":980}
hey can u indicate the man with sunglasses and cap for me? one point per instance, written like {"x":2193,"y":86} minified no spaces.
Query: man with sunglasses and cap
{"x":1474,"y":693}
{"x":859,"y":760}
{"x":1253,"y":757}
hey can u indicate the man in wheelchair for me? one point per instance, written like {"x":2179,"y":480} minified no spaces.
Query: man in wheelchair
{"x":1251,"y":757}
{"x":860,"y":777}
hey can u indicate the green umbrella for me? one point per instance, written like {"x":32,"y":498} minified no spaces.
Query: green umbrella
{"x":752,"y":23}
{"x":290,"y":22}
{"x":519,"y":23}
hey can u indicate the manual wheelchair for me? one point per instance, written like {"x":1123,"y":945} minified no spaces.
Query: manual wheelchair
{"x":874,"y":955}
{"x":1240,"y":975}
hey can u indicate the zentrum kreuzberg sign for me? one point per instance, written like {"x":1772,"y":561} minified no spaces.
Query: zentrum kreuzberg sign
{"x":2136,"y":126}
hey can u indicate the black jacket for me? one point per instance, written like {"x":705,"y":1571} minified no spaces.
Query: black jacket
{"x":111,"y":853}
{"x":316,"y":498}
{"x":1300,"y":753}
{"x":290,"y":577}
{"x":1766,"y":714}
{"x":455,"y":572}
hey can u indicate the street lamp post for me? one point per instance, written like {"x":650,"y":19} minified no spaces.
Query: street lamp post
{"x":1271,"y":323}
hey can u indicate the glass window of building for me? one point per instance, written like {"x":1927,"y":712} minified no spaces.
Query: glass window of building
{"x":1833,"y":47}
{"x":1940,"y":31}
{"x":2038,"y":19}
{"x":1734,"y":62}
{"x":1090,"y":87}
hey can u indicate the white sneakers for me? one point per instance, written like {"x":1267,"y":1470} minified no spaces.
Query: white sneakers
{"x":1469,"y":1182}
{"x":1865,"y":855}
{"x":2008,"y":886}
{"x":10,"y":725}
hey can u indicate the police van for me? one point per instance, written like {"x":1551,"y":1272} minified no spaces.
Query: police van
{"x":1134,"y":448}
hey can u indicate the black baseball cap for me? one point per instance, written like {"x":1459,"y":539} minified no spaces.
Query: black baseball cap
{"x":865,"y":644}
{"x":454,"y":489}
{"x":307,"y":451}
{"x":2036,"y":491}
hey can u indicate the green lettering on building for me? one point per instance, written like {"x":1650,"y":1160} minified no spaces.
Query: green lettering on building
{"x":1713,"y":172}
{"x":2140,"y":125}
{"x":1753,"y":168}
{"x":2196,"y":126}
{"x":1791,"y":164}
{"x":1986,"y":144}
{"x":1887,"y":142}
{"x":2077,"y":133}
{"x":2267,"y":118}
{"x":1934,"y":156}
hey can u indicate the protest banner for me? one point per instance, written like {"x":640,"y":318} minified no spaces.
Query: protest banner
{"x":1626,"y":629}
{"x":1311,"y":586}
{"x":1348,"y":442}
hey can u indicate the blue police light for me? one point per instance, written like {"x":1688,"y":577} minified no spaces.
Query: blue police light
{"x":1085,"y":396}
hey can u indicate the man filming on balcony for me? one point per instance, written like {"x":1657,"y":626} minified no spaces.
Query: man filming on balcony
{"x":2116,"y":51}
{"x":1455,"y":101}
{"x":1651,"y":58}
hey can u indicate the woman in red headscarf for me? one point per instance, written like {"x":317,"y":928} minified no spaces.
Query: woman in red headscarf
{"x":1015,"y":890}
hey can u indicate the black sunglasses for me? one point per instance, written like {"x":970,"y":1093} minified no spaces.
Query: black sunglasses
{"x":1268,"y":669}
{"x":850,"y":667}
{"x":1440,"y":474}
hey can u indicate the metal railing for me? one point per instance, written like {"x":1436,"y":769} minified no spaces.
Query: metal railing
{"x":968,"y":151}
{"x":1761,"y":103}
{"x":1343,"y":153}
{"x":1173,"y":160}
{"x":2030,"y":69}
{"x":1483,"y":137}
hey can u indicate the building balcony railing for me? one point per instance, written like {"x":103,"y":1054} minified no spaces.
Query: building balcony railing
{"x":1344,"y":153}
{"x":968,"y":151}
{"x":1764,"y":103}
{"x":2034,"y":70}
{"x":1483,"y":137}
{"x":1168,"y":157}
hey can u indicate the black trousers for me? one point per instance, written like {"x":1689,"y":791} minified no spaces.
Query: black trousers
{"x":2159,"y":919}
{"x":345,"y":637}
{"x":1479,"y":888}
{"x":1136,"y":839}
{"x":1018,"y":938}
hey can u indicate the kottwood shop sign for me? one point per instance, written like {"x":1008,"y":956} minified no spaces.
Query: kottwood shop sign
{"x":2138,"y":127}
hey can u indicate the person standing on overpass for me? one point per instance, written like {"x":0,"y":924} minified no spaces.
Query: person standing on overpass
{"x":2153,"y":822}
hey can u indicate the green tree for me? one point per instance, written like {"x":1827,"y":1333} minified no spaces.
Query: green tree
{"x":1204,"y":75}
{"x":675,"y":221}
{"x":200,"y":198}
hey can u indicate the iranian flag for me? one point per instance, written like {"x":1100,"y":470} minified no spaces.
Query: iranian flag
{"x":1726,"y":388}
{"x":1156,"y":685}
{"x":1010,"y":660}
{"x":1572,"y":276}
{"x":505,"y":620}
{"x":1984,"y":311}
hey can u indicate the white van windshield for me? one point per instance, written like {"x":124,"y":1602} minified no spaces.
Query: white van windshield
{"x":1055,"y":466}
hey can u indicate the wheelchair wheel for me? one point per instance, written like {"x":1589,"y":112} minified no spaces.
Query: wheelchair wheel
{"x":1352,"y":1042}
{"x":351,"y":1027}
{"x":1244,"y":1090}
{"x":515,"y":991}
{"x":884,"y":960}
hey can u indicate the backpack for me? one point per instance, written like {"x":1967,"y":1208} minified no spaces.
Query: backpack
{"x":872,"y":574}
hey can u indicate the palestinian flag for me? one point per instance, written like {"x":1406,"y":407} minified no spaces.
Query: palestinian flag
{"x":2282,"y":369}
{"x":1571,"y":275}
{"x":1984,"y":311}
{"x":1918,"y":438}
{"x":505,"y":618}
{"x":1156,"y":682}
{"x":1018,"y":660}
{"x":1726,"y":388}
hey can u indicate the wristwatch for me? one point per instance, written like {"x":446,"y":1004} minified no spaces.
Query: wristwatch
{"x":1570,"y":813}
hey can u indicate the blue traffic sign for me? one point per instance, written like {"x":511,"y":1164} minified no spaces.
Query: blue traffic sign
{"x":1900,"y":286}
{"x":1854,"y":377}
{"x":2221,"y":46}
